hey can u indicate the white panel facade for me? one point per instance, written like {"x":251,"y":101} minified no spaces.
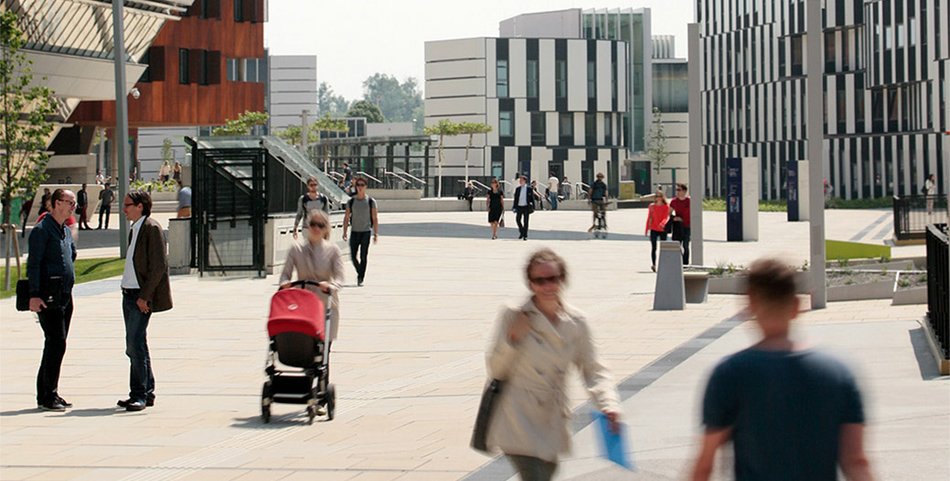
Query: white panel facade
{"x":546,"y":69}
{"x":517,"y":68}
{"x":455,"y":49}
{"x":474,"y":87}
{"x":456,"y":69}
{"x":577,"y":75}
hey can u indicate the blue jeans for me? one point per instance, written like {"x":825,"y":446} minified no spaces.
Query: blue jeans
{"x":552,"y":197}
{"x":141,"y":380}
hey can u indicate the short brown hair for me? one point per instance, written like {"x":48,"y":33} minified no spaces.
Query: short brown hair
{"x":682,"y":186}
{"x":541,"y":256}
{"x":771,"y":281}
{"x":140,"y":197}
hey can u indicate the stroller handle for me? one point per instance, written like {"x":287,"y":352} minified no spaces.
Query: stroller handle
{"x":304,"y":282}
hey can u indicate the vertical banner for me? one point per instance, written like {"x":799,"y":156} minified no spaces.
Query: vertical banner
{"x":792,"y":190}
{"x":734,"y":199}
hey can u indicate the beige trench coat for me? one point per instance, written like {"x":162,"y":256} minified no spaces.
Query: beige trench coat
{"x":318,"y":262}
{"x":532,"y":413}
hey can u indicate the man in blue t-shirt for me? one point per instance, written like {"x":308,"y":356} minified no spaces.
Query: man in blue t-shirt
{"x":792,"y":413}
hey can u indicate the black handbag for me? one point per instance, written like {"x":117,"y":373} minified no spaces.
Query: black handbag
{"x":669,"y":225}
{"x":485,"y":409}
{"x":23,"y":295}
{"x":51,"y":293}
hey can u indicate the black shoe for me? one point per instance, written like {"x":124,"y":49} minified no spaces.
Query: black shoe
{"x":359,"y":282}
{"x":125,"y":402}
{"x":64,"y":402}
{"x":53,"y":405}
{"x":135,"y":406}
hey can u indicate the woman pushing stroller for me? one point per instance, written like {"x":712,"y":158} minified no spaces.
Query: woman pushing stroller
{"x":319,"y":261}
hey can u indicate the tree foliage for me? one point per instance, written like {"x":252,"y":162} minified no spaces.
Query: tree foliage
{"x":26,"y":122}
{"x":656,"y":142}
{"x":444,"y":128}
{"x":329,"y":102}
{"x":471,"y":129}
{"x":241,"y":125}
{"x":365,"y":108}
{"x":398,"y":101}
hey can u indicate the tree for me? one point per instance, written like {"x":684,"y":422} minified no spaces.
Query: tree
{"x":443,"y":128}
{"x":399,"y":102}
{"x":168,"y":153}
{"x":27,"y":123}
{"x":241,"y":125}
{"x":292,"y":135}
{"x":330,"y":103}
{"x":656,"y":143}
{"x":471,"y":128}
{"x":365,"y":108}
{"x":327,"y":124}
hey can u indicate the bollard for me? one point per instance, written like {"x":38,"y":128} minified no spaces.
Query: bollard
{"x":669,"y":293}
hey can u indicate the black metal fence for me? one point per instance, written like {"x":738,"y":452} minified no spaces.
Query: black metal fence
{"x":913,"y":214}
{"x":938,"y":286}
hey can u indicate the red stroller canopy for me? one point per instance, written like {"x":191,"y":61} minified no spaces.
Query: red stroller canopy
{"x":296,"y":310}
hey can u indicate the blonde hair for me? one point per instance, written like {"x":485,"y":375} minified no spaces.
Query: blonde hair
{"x":660,"y":195}
{"x":319,"y":214}
{"x":542,"y":256}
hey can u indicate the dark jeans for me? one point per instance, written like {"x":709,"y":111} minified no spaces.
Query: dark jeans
{"x":552,"y":198}
{"x":141,"y":380}
{"x":521,"y":217}
{"x":55,"y":324}
{"x":104,"y":209}
{"x":684,"y":241}
{"x":359,"y":242}
{"x":531,"y":468}
{"x":654,"y":235}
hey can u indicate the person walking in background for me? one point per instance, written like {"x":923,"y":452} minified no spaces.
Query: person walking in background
{"x":51,"y":273}
{"x":524,"y":206}
{"x":361,"y":213}
{"x":25,"y":211}
{"x":531,"y":351}
{"x":310,"y":201}
{"x":681,"y":230}
{"x":106,"y":196}
{"x":929,"y":190}
{"x":495,"y":202}
{"x":566,"y":189}
{"x":176,"y":172}
{"x":145,"y":289}
{"x":538,"y":199}
{"x":658,"y":214}
{"x":164,"y":171}
{"x":347,"y":176}
{"x":553,"y":190}
{"x":184,"y":201}
{"x":791,"y":412}
{"x":44,"y":203}
{"x":82,"y":205}
{"x":598,"y":199}
{"x":468,"y":193}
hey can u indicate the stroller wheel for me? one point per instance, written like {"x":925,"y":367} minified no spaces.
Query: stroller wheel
{"x":265,"y":403}
{"x":331,"y":402}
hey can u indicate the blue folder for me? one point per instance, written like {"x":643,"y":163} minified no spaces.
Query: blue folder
{"x":613,"y":446}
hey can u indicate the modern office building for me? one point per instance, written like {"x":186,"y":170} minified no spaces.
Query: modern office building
{"x":291,"y":89}
{"x":670,"y":97}
{"x":69,"y":43}
{"x":555,"y":105}
{"x":886,"y":82}
{"x":204,"y":69}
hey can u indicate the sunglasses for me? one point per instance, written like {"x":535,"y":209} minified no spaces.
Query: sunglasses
{"x":312,"y":184}
{"x":543,"y":281}
{"x":318,"y":224}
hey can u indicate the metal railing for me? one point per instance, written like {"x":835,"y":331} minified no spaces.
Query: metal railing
{"x":938,"y":286}
{"x":580,"y":190}
{"x":370,"y":177}
{"x":913,"y":214}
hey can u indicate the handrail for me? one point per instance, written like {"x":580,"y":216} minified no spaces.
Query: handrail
{"x":578,"y":190}
{"x":409,"y":178}
{"x":335,"y":175}
{"x":483,"y":186}
{"x":374,"y":179}
{"x":407,"y":174}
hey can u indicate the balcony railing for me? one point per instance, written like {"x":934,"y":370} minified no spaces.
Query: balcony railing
{"x":938,"y":286}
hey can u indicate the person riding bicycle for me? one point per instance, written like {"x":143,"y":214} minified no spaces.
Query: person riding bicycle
{"x":598,"y":201}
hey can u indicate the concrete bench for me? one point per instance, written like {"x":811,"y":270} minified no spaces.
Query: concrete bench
{"x":696,"y":285}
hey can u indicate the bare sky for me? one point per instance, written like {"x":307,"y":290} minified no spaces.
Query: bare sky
{"x":354,"y":39}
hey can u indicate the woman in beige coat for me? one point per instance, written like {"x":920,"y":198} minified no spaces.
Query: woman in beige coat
{"x":531,"y":351}
{"x":320,"y":261}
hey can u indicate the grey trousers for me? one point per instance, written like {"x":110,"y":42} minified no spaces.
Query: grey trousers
{"x":532,"y":469}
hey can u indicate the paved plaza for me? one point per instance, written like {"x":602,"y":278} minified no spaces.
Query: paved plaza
{"x":409,"y":363}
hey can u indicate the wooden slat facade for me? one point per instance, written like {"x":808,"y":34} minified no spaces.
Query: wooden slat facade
{"x":166,"y":102}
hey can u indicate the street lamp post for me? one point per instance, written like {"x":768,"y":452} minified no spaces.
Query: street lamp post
{"x":121,"y":119}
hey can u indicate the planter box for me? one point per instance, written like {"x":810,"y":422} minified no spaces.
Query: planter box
{"x":914,"y":295}
{"x":858,"y":292}
{"x":736,"y":285}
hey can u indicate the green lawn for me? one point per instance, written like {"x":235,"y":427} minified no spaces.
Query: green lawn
{"x":87,"y":270}
{"x":714,"y":204}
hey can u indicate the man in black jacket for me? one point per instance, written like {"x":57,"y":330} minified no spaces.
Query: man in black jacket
{"x":524,"y":206}
{"x":51,"y":276}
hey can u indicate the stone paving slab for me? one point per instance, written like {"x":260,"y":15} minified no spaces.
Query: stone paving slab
{"x":409,"y":364}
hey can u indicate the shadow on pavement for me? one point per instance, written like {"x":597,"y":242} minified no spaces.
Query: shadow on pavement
{"x":93,"y":412}
{"x":276,"y":421}
{"x":469,"y":231}
{"x":21,"y":412}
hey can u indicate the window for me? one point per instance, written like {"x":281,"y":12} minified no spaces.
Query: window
{"x":501,"y":78}
{"x":797,"y":57}
{"x":560,"y":79}
{"x":590,"y":129}
{"x":239,"y":13}
{"x":566,"y":125}
{"x":533,"y":74}
{"x":232,"y":67}
{"x":591,"y":79}
{"x":506,"y":123}
{"x":613,"y":81}
{"x":183,"y":61}
{"x":538,"y":128}
{"x":608,"y":129}
{"x":147,"y":74}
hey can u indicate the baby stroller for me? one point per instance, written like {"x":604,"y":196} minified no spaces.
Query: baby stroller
{"x":297,"y":326}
